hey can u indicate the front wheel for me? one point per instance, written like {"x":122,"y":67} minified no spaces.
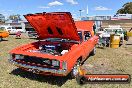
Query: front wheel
{"x":75,"y":71}
{"x":121,"y":42}
{"x":80,"y":79}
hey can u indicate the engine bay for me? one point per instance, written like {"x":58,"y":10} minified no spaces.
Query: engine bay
{"x":52,"y":49}
{"x":57,"y":49}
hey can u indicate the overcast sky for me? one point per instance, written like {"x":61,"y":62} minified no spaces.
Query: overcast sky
{"x":95,"y":7}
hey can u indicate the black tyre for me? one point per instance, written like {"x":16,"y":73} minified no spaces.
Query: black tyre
{"x":80,"y":79}
{"x":75,"y":71}
{"x":127,"y":38}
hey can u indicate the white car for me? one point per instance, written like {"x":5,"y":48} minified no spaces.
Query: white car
{"x":108,"y":31}
{"x":10,"y":29}
{"x":105,"y":34}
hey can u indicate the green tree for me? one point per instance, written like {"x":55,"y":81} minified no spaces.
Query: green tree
{"x":126,"y":9}
{"x":15,"y":17}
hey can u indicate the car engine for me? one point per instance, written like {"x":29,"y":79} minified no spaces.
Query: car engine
{"x":52,"y":49}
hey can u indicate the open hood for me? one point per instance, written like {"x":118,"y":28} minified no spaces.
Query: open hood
{"x":53,"y":25}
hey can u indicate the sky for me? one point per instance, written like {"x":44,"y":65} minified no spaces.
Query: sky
{"x":87,"y":7}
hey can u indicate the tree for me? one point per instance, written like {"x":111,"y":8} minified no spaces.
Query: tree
{"x":15,"y":17}
{"x":2,"y":18}
{"x":126,"y":9}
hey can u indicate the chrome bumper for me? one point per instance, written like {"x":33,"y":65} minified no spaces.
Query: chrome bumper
{"x":52,"y":71}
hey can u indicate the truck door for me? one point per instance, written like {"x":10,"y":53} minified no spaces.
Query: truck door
{"x":87,"y":45}
{"x":82,"y":46}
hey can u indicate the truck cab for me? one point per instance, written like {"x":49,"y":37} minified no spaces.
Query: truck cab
{"x":61,"y":46}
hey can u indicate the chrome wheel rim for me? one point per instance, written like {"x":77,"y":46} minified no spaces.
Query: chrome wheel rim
{"x":75,"y":71}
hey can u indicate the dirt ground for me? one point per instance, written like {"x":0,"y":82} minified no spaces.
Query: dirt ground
{"x":106,"y":61}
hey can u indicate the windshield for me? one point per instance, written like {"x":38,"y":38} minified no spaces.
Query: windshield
{"x":29,"y":29}
{"x":108,"y":30}
{"x":114,"y":31}
{"x":118,"y":31}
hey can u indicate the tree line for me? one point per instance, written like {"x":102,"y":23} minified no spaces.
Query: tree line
{"x":126,"y":9}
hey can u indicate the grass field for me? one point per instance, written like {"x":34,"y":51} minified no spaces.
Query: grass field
{"x":107,"y":60}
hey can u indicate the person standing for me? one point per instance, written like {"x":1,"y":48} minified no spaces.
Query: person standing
{"x":18,"y":34}
{"x":94,"y":28}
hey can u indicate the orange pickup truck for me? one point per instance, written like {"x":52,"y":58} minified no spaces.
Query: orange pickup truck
{"x":3,"y":34}
{"x":61,"y":46}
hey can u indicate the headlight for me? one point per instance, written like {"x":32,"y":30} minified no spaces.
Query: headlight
{"x":40,"y":47}
{"x":19,"y":57}
{"x":55,"y":63}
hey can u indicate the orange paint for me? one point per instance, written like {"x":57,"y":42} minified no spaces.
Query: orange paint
{"x":84,"y":25}
{"x":54,"y":25}
{"x":4,"y":34}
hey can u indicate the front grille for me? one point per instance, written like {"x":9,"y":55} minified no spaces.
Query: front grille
{"x":36,"y":61}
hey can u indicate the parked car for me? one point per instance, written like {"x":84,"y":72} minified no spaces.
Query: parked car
{"x":21,"y":29}
{"x":105,"y":34}
{"x":61,"y":48}
{"x":31,"y":33}
{"x":3,"y":33}
{"x":11,"y":29}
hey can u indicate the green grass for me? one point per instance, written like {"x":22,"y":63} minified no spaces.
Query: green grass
{"x":106,"y":60}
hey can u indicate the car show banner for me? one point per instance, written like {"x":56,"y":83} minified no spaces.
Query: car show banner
{"x":83,"y":78}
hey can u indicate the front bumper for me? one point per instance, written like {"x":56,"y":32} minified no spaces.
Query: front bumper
{"x":39,"y":70}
